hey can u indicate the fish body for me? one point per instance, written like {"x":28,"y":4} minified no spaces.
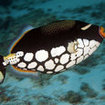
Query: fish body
{"x":55,"y":47}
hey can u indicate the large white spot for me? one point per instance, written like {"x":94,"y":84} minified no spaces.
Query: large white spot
{"x":64,"y":58}
{"x":1,"y":76}
{"x":50,"y":65}
{"x":22,"y":65}
{"x":32,"y":65}
{"x":40,"y":68}
{"x":28,"y":57}
{"x":80,"y":43}
{"x":79,"y":59}
{"x":59,"y":68}
{"x":70,"y":64}
{"x":41,"y":55}
{"x":86,"y":42}
{"x":57,"y":51}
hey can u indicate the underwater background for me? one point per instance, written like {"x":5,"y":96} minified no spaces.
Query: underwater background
{"x":83,"y":84}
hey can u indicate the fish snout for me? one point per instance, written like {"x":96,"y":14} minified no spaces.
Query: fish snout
{"x":102,"y":31}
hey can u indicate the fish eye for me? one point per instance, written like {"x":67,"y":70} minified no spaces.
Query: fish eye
{"x":86,"y":27}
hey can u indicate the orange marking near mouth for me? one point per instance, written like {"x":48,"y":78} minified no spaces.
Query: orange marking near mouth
{"x":102,"y":31}
{"x":21,"y":70}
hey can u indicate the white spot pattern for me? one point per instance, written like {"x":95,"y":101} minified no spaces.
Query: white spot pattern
{"x":79,"y":52}
{"x":79,"y":59}
{"x":59,"y":68}
{"x":49,"y":72}
{"x":86,"y":42}
{"x":13,"y":60}
{"x":73,"y":56}
{"x":92,"y":43}
{"x":86,"y":50}
{"x":64,"y":58}
{"x":70,"y":64}
{"x":41,"y":55}
{"x":40,"y":68}
{"x":49,"y":65}
{"x":19,"y":54}
{"x":28,"y":57}
{"x":32,"y":65}
{"x":22,"y":65}
{"x":92,"y":50}
{"x":86,"y":56}
{"x":80,"y":43}
{"x":57,"y":51}
{"x":56,"y":60}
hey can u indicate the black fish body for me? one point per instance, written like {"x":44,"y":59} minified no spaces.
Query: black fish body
{"x":55,"y":47}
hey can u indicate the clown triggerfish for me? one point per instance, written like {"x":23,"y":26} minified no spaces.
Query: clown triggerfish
{"x":53,"y":48}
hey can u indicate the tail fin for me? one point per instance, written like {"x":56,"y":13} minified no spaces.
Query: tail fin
{"x":2,"y":69}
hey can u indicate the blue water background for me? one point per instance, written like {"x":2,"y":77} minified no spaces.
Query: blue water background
{"x":83,"y":84}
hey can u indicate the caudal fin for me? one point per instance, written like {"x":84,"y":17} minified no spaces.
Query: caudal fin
{"x":2,"y":69}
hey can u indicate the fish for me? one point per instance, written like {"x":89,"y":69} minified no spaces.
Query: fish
{"x":52,"y":48}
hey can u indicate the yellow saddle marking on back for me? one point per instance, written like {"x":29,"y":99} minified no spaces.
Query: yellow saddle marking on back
{"x":9,"y":56}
